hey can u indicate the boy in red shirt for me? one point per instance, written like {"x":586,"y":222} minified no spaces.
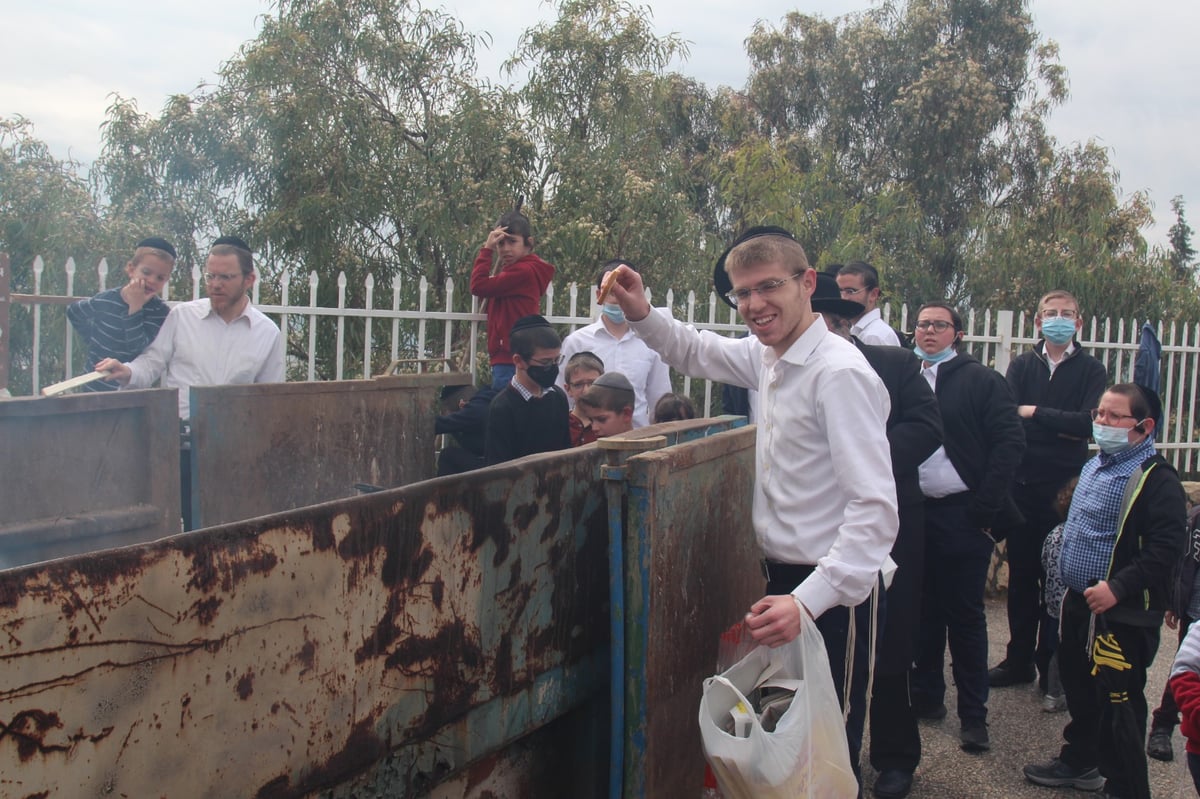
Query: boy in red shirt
{"x":513,"y":292}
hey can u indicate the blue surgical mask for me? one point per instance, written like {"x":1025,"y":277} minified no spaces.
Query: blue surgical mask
{"x":936,"y":357}
{"x":1058,"y":330}
{"x":1110,"y":440}
{"x":614,"y":314}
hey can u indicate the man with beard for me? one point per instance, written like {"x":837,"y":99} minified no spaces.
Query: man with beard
{"x":219,"y":340}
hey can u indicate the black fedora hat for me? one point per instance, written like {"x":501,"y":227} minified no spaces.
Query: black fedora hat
{"x":827,"y":298}
{"x":721,"y":280}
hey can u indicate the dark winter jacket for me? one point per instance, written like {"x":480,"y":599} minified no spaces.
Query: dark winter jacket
{"x":914,"y":425}
{"x":1056,"y":436}
{"x":983,"y":437}
{"x":1151,"y":539}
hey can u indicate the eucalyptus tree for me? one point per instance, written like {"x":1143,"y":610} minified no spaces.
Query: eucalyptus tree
{"x":1075,"y":233}
{"x":923,"y":114}
{"x":46,"y":209}
{"x":614,"y":133}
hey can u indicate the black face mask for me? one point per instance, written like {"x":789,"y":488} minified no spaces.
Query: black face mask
{"x":544,"y":376}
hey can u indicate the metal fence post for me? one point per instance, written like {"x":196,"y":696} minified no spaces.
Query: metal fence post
{"x":1004,"y":340}
{"x":5,"y":302}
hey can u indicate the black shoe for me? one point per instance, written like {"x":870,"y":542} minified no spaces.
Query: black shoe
{"x":1057,"y":774}
{"x":1159,"y":745}
{"x":974,"y":737}
{"x":892,"y":783}
{"x":1005,"y":675}
{"x":929,"y":711}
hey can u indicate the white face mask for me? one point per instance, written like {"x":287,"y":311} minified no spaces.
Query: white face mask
{"x":1109,"y":439}
{"x":614,"y":313}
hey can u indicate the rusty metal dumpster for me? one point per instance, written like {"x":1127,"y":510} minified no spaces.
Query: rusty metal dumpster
{"x":87,"y":472}
{"x":449,"y":638}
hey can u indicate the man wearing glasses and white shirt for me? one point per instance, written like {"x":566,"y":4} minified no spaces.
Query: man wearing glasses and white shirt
{"x":859,"y":282}
{"x":824,"y":506}
{"x":219,"y":340}
{"x":1056,"y":385}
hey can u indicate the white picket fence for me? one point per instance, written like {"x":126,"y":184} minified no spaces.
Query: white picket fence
{"x":449,"y":329}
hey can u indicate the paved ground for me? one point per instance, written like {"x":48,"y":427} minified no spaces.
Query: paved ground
{"x":1022,"y":733}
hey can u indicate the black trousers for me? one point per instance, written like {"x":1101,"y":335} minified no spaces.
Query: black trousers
{"x":1032,"y":637}
{"x":1089,"y":740}
{"x":957,"y":556}
{"x":895,"y":736}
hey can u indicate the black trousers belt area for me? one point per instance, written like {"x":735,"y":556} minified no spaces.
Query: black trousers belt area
{"x":775,"y":571}
{"x":961,"y":498}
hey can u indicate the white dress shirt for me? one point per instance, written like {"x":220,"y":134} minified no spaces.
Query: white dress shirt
{"x":937,"y":474}
{"x":628,"y":355}
{"x":871,"y":329}
{"x":196,"y":347}
{"x":823,"y":490}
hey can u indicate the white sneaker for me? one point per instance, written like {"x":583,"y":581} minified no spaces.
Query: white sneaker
{"x":1054,"y":704}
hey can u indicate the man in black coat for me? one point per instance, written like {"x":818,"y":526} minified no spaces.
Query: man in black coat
{"x":966,"y":484}
{"x":1056,"y":385}
{"x":914,"y":431}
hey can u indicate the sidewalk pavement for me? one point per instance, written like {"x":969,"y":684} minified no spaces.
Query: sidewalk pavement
{"x":1021,"y":733}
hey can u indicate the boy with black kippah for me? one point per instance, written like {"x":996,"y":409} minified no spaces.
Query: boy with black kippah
{"x":120,"y":323}
{"x":608,"y":403}
{"x":530,"y":414}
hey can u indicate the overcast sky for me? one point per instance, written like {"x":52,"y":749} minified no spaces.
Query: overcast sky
{"x":1132,"y":67}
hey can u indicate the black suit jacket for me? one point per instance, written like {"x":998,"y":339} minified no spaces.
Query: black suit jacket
{"x":914,"y":424}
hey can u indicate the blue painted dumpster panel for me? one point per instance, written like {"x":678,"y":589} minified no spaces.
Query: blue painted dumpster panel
{"x":691,"y":570}
{"x":294,"y":653}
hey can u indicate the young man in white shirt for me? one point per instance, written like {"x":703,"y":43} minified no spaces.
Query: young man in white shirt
{"x":859,"y":282}
{"x":613,"y":342}
{"x":824,"y":497}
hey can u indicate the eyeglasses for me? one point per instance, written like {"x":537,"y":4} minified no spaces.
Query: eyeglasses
{"x":853,"y":292}
{"x":939,"y":325}
{"x":762,"y":289}
{"x":212,"y":277}
{"x":1099,"y":414}
{"x":578,"y":384}
{"x":1054,"y":313}
{"x":547,"y":361}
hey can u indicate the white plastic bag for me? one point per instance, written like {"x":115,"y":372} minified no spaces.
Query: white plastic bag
{"x":807,"y":754}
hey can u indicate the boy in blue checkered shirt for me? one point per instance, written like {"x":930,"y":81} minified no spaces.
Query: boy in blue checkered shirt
{"x":1124,"y":534}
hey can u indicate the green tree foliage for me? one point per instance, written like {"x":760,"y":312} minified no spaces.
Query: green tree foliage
{"x":45,"y":206}
{"x":1076,"y":234}
{"x":1182,"y":254}
{"x":355,"y":136}
{"x":929,"y":109}
{"x":47,"y":210}
{"x":615,"y":142}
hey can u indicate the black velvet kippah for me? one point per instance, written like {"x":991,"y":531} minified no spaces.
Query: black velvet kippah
{"x":526,"y":322}
{"x":158,"y":244}
{"x":232,"y":241}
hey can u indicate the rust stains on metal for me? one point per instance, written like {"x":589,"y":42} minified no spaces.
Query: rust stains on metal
{"x":227,"y":564}
{"x":245,"y":685}
{"x":28,"y":728}
{"x":205,"y":610}
{"x":307,"y":654}
{"x":321,"y":533}
{"x":363,"y":747}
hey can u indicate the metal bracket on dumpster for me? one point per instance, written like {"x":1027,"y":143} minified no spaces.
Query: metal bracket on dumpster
{"x":617,"y":450}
